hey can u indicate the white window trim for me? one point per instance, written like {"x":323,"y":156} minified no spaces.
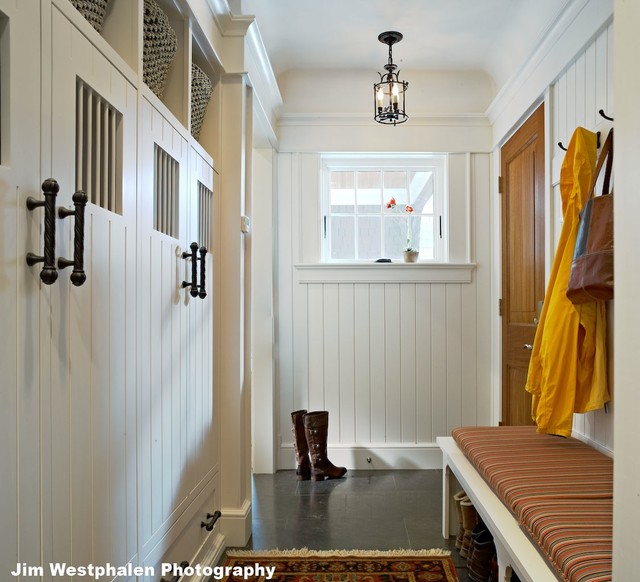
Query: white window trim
{"x":359,"y":272}
{"x":386,"y":162}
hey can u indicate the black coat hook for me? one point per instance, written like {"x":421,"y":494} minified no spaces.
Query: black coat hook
{"x":597,"y":142}
{"x":601,"y":112}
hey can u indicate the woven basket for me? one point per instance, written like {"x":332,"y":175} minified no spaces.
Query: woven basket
{"x":201,"y":89}
{"x":159,"y":50}
{"x":92,"y":10}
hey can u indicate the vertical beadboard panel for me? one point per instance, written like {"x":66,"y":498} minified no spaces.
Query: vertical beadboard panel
{"x":101,"y":394}
{"x":331,"y":358}
{"x":377,"y":362}
{"x":564,"y":132}
{"x":392,"y":361}
{"x":395,"y":362}
{"x":286,"y":333}
{"x":470,"y":359}
{"x":316,"y":344}
{"x":408,"y":344}
{"x":591,"y":111}
{"x":570,"y":98}
{"x":454,"y":356}
{"x":117,"y":390}
{"x":424,"y":386}
{"x":602,"y":76}
{"x":439,"y":359}
{"x":166,"y":364}
{"x":154,"y":413}
{"x":346,"y":355}
{"x":361,"y":364}
{"x":584,"y":88}
{"x":478,"y":301}
{"x":580,"y":91}
{"x":610,"y":100}
{"x":300,"y":398}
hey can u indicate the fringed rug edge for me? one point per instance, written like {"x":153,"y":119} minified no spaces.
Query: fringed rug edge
{"x":307,"y":553}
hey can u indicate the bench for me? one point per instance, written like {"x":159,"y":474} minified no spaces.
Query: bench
{"x":546,"y":500}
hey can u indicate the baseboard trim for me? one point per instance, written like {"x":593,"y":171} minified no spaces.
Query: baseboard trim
{"x":379,"y":457}
{"x":235,"y":524}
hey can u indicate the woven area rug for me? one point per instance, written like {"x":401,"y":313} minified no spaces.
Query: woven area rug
{"x":340,"y":566}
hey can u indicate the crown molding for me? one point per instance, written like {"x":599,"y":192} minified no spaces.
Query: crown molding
{"x":228,"y":23}
{"x":360,"y":119}
{"x":547,"y":41}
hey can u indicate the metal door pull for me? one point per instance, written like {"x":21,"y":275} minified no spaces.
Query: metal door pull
{"x":528,"y":347}
{"x":78,"y":277}
{"x":49,"y":274}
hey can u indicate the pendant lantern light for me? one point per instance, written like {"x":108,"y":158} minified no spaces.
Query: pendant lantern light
{"x":389,"y":93}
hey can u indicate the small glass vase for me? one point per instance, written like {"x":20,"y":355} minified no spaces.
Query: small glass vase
{"x":411,"y":256}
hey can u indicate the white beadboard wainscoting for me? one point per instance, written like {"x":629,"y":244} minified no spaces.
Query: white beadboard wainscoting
{"x":397,"y":353}
{"x":585,"y":87}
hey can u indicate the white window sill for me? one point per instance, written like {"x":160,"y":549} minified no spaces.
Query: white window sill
{"x":384,"y":272}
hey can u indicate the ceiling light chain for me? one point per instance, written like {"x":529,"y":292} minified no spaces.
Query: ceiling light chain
{"x":389,"y":93}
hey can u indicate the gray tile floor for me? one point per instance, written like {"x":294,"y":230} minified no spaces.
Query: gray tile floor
{"x":364,"y":510}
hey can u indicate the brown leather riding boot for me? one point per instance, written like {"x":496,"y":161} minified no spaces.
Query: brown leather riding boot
{"x":316,"y":426}
{"x":303,"y":470}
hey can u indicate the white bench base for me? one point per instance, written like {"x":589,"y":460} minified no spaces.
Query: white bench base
{"x":514,"y":549}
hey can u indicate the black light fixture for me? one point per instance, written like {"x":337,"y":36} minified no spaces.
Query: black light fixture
{"x":388,"y":94}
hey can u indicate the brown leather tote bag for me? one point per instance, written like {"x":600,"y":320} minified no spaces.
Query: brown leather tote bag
{"x":591,"y":277}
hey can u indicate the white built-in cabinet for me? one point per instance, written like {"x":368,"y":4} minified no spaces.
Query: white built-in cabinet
{"x":110,"y":437}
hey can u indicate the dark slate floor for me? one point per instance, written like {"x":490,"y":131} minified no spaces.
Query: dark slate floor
{"x":365,"y":510}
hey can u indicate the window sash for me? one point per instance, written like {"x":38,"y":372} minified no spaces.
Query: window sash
{"x":367,"y":184}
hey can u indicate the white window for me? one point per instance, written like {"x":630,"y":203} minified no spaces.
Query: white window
{"x":376,"y":207}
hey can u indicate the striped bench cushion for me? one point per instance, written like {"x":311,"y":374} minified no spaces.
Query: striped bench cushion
{"x":560,"y":491}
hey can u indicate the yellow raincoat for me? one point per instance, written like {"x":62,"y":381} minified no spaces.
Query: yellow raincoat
{"x":568,"y":367}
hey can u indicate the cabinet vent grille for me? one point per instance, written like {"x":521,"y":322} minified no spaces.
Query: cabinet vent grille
{"x":166,"y":193}
{"x":98,"y":149}
{"x":205,"y":216}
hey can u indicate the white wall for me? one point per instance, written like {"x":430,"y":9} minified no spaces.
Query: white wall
{"x":572,"y":74}
{"x":626,"y":512}
{"x":397,"y":354}
{"x":338,"y":336}
{"x":585,"y":87}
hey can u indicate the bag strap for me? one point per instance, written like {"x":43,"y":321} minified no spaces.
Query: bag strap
{"x":605,"y":153}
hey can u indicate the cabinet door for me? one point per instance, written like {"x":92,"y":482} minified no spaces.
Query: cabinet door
{"x":164,"y":333}
{"x":89,"y":418}
{"x":202,"y":437}
{"x":21,"y":292}
{"x":178,"y":450}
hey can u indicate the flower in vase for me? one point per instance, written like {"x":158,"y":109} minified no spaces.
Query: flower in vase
{"x":408,"y":209}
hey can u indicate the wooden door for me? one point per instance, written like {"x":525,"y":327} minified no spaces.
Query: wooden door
{"x":522,"y":169}
{"x":89,"y":408}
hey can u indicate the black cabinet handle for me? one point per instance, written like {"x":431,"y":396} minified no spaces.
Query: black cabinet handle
{"x":78,"y":276}
{"x":203,"y":260}
{"x":50,"y":189}
{"x":194,"y":269}
{"x":196,"y":290}
{"x":212,"y":517}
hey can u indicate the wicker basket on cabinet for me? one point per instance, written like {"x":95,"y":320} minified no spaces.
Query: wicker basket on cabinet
{"x":159,"y":49}
{"x":93,"y":10}
{"x":201,"y":89}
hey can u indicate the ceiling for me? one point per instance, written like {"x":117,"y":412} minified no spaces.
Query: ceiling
{"x":492,"y":36}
